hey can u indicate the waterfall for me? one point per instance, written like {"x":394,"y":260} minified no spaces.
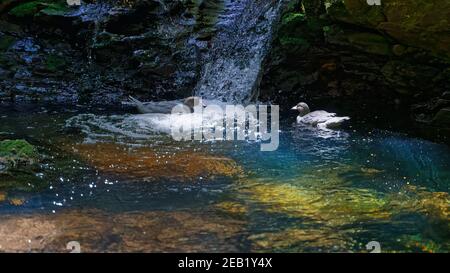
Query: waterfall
{"x":231,"y":71}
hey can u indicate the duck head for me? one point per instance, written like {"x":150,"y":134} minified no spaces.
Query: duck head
{"x":302,"y":108}
{"x":192,"y":102}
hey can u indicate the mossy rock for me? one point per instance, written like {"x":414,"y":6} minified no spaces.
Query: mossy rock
{"x":37,"y":8}
{"x":408,"y":76}
{"x":293,"y":18}
{"x":18,"y":165}
{"x":57,"y":9}
{"x":356,"y":12}
{"x":26,"y":9}
{"x":298,"y":31}
{"x":19,"y":151}
{"x":416,"y":23}
{"x":442,"y":118}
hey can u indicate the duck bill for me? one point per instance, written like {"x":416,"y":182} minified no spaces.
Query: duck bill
{"x":294,"y":108}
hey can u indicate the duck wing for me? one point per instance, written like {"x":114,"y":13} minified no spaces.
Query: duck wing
{"x":334,"y":122}
{"x":162,"y":107}
{"x":317,"y":117}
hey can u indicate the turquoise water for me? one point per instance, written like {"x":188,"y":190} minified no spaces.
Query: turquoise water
{"x":319,"y":192}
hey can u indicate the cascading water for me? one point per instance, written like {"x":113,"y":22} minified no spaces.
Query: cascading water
{"x":232,"y":69}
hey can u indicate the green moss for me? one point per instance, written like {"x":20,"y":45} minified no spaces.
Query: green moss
{"x":26,"y":10}
{"x":54,"y":62}
{"x":35,"y":8}
{"x":419,"y":23}
{"x":18,"y":160}
{"x":293,"y":18}
{"x":297,"y":30}
{"x":56,"y":9}
{"x":6,"y":41}
{"x":17,"y":149}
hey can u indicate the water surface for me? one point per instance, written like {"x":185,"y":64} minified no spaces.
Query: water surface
{"x":322,"y":192}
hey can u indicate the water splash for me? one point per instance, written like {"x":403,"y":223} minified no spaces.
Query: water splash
{"x":149,"y":126}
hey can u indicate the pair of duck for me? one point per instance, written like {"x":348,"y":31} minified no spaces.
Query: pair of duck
{"x":320,"y":119}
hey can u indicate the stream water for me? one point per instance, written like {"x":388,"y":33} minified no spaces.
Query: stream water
{"x":119,"y":192}
{"x":115,"y":181}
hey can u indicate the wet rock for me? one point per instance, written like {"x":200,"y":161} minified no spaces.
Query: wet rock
{"x":3,"y":74}
{"x":404,"y":74}
{"x":442,"y":118}
{"x":39,"y":8}
{"x":446,"y":95}
{"x":399,"y":50}
{"x":6,"y":41}
{"x":381,"y":54}
{"x":18,"y":152}
{"x":401,"y":21}
{"x":371,"y":43}
{"x":3,"y":165}
{"x":69,"y":50}
{"x":18,"y":165}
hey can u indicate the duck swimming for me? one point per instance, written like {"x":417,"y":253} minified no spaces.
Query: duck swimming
{"x":163,"y":107}
{"x":320,"y":119}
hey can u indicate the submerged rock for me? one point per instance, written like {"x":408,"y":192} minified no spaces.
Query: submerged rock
{"x":151,"y":164}
{"x":331,"y":214}
{"x":98,"y":231}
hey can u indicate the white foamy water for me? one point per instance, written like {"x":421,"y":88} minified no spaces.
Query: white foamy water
{"x":150,"y":126}
{"x":231,"y":72}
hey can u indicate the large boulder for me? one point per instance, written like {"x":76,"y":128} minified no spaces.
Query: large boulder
{"x":359,"y":56}
{"x":417,"y":23}
{"x":101,"y":51}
